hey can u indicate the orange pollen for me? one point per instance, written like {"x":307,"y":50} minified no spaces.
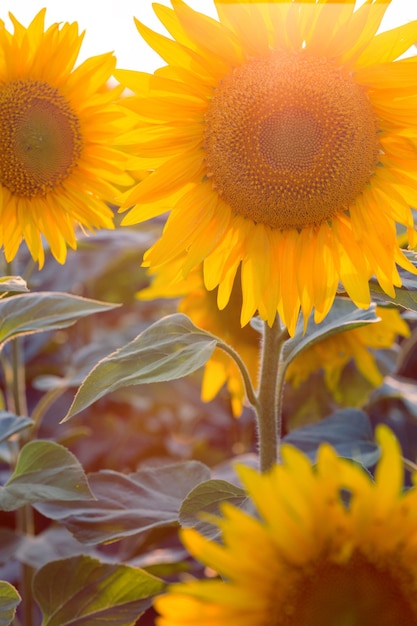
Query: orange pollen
{"x":40,"y":138}
{"x":290,"y":140}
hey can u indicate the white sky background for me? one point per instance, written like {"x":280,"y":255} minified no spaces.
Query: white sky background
{"x":109,"y":24}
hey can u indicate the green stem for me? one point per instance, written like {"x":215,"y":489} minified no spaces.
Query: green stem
{"x":267,"y":402}
{"x":409,"y":465}
{"x":249,"y":390}
{"x":19,"y":378}
{"x":42,"y":406}
{"x":270,"y":394}
{"x":25,"y":524}
{"x":16,"y":379}
{"x":8,"y":382}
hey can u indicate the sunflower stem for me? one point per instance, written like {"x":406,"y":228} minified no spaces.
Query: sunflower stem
{"x":15,"y":375}
{"x":270,"y":394}
{"x":409,"y":465}
{"x":25,"y":524}
{"x":19,"y":378}
{"x":249,"y":390}
{"x":25,"y":521}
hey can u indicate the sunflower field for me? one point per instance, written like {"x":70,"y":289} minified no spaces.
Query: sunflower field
{"x":208,"y":320}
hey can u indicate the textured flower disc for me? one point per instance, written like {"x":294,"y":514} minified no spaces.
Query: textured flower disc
{"x":40,"y":139}
{"x":325,"y":545}
{"x":282,"y":139}
{"x":361,"y":591}
{"x":290,"y":140}
{"x":59,"y":125}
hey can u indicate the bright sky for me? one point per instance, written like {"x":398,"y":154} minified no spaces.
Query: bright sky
{"x":110,"y":27}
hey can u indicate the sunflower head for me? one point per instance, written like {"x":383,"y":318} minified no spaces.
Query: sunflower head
{"x":282,"y":139}
{"x":326,"y":544}
{"x":58,"y":129}
{"x":358,"y":345}
{"x":290,"y":140}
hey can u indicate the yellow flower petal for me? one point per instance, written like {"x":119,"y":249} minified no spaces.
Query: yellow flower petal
{"x":324,"y":545}
{"x":304,"y":207}
{"x":58,"y":131}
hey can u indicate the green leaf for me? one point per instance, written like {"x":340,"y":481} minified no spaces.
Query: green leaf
{"x":344,"y":315}
{"x":9,"y":600}
{"x":349,"y":431}
{"x":206,"y":498}
{"x":10,"y":424}
{"x":51,"y":544}
{"x":128,"y":504}
{"x":169,"y":349}
{"x":11,"y":541}
{"x":12,"y":284}
{"x":405,"y":296}
{"x":82,"y":591}
{"x":398,"y":388}
{"x":37,"y":312}
{"x":44,"y":471}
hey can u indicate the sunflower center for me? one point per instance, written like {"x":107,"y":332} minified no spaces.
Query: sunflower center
{"x":290,"y":140}
{"x":357,"y":594}
{"x":40,"y":139}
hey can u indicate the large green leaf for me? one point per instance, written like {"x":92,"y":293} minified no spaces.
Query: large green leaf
{"x":349,"y":431}
{"x":207,"y":498}
{"x":82,"y":591}
{"x":12,"y":284}
{"x":11,"y":542}
{"x":128,"y":504}
{"x":9,"y":600}
{"x":45,"y":470}
{"x":169,"y":349}
{"x":398,"y":388}
{"x":29,"y":313}
{"x":10,"y":424}
{"x":344,"y":315}
{"x":51,"y":544}
{"x":406,"y":295}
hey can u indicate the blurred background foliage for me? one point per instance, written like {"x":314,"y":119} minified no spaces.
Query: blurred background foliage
{"x":164,"y":423}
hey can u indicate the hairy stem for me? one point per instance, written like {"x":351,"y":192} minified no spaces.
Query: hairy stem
{"x":25,"y":525}
{"x":19,"y":378}
{"x":270,"y":394}
{"x":249,"y":390}
{"x":16,"y":383}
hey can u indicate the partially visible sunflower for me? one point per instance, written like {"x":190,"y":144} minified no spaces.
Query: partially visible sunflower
{"x":201,"y":307}
{"x":331,"y":355}
{"x":283,"y":140}
{"x":327,"y":546}
{"x":58,"y":125}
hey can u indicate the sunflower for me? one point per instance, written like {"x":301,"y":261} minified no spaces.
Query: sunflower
{"x":282,"y":138}
{"x":58,"y":125}
{"x":326,"y":545}
{"x":331,"y":354}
